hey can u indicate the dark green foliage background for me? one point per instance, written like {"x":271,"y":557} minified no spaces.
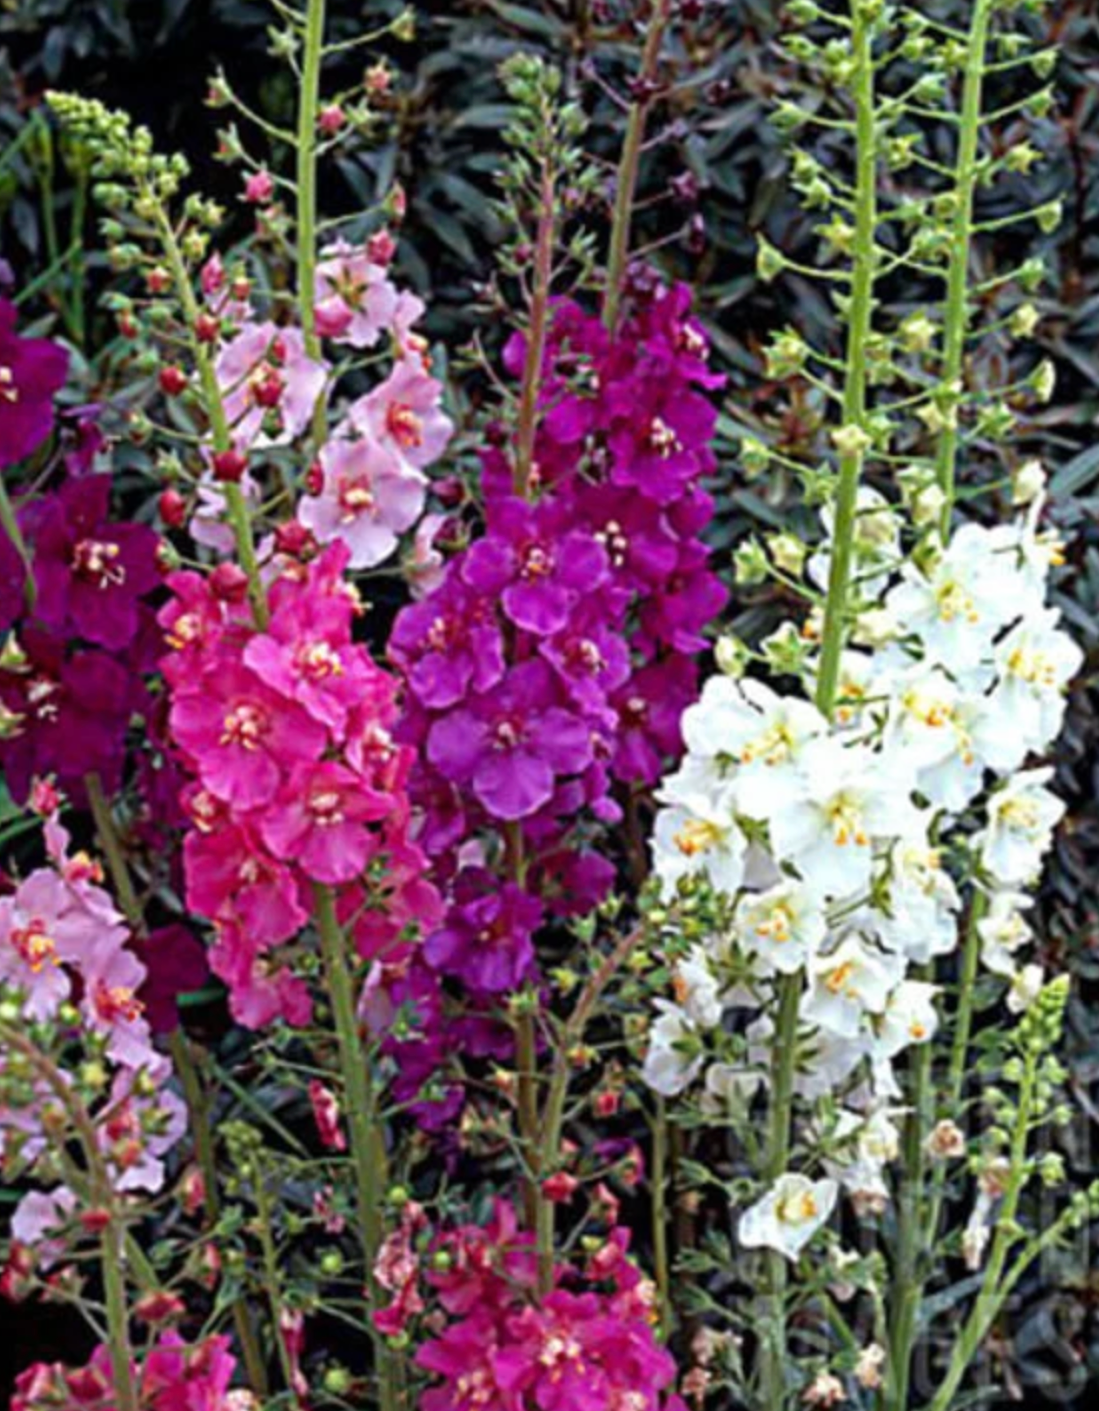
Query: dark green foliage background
{"x":154,"y":57}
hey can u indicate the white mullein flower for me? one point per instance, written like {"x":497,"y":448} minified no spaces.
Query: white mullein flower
{"x":958,"y":607}
{"x":923,"y":905}
{"x":908,"y":1018}
{"x":770,"y":753}
{"x":830,"y":1062}
{"x":920,"y":715}
{"x":728,"y":1086}
{"x":1035,"y":662}
{"x":1030,"y":552}
{"x":783,"y":927}
{"x":1021,"y":819}
{"x":1003,"y":931}
{"x":851,"y":983}
{"x":1026,"y":986}
{"x":850,"y":797}
{"x":697,"y":842}
{"x":789,"y":1215}
{"x":955,"y":779}
{"x":877,"y":544}
{"x":672,"y":1062}
{"x":697,"y":990}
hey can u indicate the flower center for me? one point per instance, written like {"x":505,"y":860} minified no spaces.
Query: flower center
{"x":797,"y":1209}
{"x":838,"y":981}
{"x":954,"y":602}
{"x":355,"y":497}
{"x":614,"y":541}
{"x":774,"y":746}
{"x":927,"y":709}
{"x":507,"y":734}
{"x":845,"y":817}
{"x":1033,"y":667}
{"x":8,"y":391}
{"x":245,"y":725}
{"x":317,"y":661}
{"x":1020,"y":814}
{"x":537,"y":562}
{"x":114,"y":1002}
{"x":326,"y":807}
{"x":41,"y":697}
{"x":776,"y":926}
{"x":697,"y":837}
{"x":662,"y":440}
{"x":35,"y":945}
{"x":97,"y":563}
{"x":406,"y":428}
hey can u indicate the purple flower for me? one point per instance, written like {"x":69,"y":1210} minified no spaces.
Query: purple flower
{"x":487,"y":939}
{"x":175,"y":961}
{"x":32,"y":371}
{"x":510,"y":746}
{"x":448,"y":645}
{"x":91,"y":573}
{"x":662,"y":449}
{"x":540,"y":569}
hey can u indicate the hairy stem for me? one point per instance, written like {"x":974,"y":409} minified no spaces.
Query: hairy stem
{"x":629,"y":164}
{"x":956,"y":309}
{"x":859,"y":328}
{"x":537,"y":334}
{"x":368,"y":1152}
{"x":308,"y":106}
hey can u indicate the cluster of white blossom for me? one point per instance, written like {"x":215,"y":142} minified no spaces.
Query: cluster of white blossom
{"x":840,"y":845}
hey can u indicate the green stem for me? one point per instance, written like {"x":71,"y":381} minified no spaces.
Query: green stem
{"x":956,"y":310}
{"x":859,"y":329}
{"x":994,"y":1289}
{"x":308,"y":106}
{"x":367,"y":1143}
{"x":537,"y":333}
{"x":659,"y":1187}
{"x":629,"y":164}
{"x":236,"y":507}
{"x":10,"y":524}
{"x":271,"y":1279}
{"x":118,"y":1320}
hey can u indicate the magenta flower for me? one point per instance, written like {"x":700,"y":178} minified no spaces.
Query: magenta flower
{"x":263,"y":372}
{"x":487,"y":939}
{"x":367,"y":499}
{"x":241,"y":735}
{"x":510,"y":746}
{"x":403,"y":415}
{"x":32,"y":371}
{"x":661,"y":451}
{"x":356,"y":301}
{"x":318,"y":821}
{"x":91,"y":572}
{"x":540,"y":570}
{"x":468,"y":1360}
{"x":230,"y":873}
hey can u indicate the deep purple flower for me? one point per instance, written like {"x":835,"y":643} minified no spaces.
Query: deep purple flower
{"x":650,"y":706}
{"x":92,"y":572}
{"x":175,"y":962}
{"x":32,"y":371}
{"x":539,"y":567}
{"x":487,"y":938}
{"x":510,"y":746}
{"x":12,"y":576}
{"x":64,"y":716}
{"x":662,"y":439}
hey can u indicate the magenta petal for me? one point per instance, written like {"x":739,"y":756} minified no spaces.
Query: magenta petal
{"x":513,"y":784}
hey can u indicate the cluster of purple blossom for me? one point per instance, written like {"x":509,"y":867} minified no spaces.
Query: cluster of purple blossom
{"x":173,"y":1375}
{"x":548,"y":669}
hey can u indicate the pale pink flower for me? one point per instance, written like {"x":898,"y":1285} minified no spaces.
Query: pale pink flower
{"x":368,"y":498}
{"x":265,"y":369}
{"x":403,"y":414}
{"x":356,"y":300}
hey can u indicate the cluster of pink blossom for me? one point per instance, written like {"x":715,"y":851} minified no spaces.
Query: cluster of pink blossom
{"x":586,"y":1345}
{"x":173,"y":1376}
{"x":296,"y":778}
{"x":548,"y":669}
{"x":66,"y":958}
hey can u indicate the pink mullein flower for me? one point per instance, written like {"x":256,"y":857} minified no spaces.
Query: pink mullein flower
{"x":356,"y":300}
{"x":403,"y":415}
{"x":265,"y":369}
{"x":317,"y":820}
{"x":241,"y":735}
{"x":368,"y":497}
